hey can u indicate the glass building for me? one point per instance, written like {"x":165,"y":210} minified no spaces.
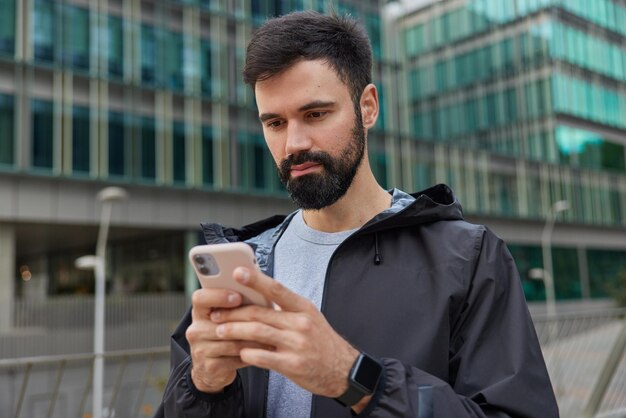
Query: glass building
{"x":515,"y":104}
{"x":519,"y":104}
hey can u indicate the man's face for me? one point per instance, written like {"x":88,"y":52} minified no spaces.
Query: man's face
{"x":313,"y":132}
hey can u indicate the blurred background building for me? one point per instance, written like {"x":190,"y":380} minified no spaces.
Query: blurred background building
{"x":517,"y":104}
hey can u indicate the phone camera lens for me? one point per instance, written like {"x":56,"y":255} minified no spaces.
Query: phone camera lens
{"x":204,"y":270}
{"x":199,"y":259}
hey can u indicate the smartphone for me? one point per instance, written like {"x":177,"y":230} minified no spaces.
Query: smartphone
{"x":214,"y":265}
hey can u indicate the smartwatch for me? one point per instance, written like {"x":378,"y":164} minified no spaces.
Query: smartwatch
{"x":362,"y":380}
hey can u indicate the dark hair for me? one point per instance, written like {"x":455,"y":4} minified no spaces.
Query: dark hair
{"x":341,"y":41}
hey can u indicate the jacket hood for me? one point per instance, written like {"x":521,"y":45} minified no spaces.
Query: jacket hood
{"x":436,"y":203}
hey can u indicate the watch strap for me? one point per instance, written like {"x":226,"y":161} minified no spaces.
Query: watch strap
{"x":350,"y":397}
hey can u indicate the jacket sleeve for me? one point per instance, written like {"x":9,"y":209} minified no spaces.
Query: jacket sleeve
{"x":495,"y":361}
{"x":181,"y":399}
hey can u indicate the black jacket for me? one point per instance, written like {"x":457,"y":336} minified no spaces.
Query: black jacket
{"x":437,"y":299}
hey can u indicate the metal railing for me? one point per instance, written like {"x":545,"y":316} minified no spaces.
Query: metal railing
{"x":584,"y":353}
{"x":64,"y":325}
{"x":60,"y":386}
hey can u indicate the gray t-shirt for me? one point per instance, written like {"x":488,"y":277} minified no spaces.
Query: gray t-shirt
{"x":300,"y":262}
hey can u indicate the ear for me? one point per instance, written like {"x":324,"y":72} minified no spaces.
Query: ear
{"x":369,"y":106}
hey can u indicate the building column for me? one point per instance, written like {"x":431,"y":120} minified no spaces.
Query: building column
{"x":7,"y":276}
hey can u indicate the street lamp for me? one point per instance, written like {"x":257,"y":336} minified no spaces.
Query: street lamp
{"x":546,"y":247}
{"x":107,"y":196}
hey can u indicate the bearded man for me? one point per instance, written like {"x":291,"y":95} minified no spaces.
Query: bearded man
{"x":387,"y":304}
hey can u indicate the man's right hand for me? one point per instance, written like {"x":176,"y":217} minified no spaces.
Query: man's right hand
{"x":214,"y":361}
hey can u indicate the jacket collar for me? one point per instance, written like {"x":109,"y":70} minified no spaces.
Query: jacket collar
{"x":429,"y":205}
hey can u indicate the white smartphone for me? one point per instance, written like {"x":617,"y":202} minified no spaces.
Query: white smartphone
{"x":214,"y":265}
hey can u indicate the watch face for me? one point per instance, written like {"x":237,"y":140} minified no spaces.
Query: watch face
{"x":367,"y":373}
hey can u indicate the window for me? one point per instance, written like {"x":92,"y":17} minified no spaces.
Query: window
{"x":178,"y":152}
{"x":80,"y":140}
{"x":148,"y":55}
{"x":42,"y":134}
{"x":44,"y":30}
{"x":205,"y":66}
{"x":7,"y":134}
{"x":608,"y":268}
{"x":7,"y":27}
{"x":207,"y":155}
{"x":173,"y":63}
{"x":566,"y":273}
{"x":117,"y":144}
{"x":146,"y":150}
{"x":75,"y":37}
{"x":116,"y":47}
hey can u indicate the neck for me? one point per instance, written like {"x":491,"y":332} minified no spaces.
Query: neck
{"x":363,"y":200}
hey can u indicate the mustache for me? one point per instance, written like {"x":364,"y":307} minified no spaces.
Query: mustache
{"x":318,"y":157}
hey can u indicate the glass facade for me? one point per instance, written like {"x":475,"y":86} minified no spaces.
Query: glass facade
{"x":519,"y":104}
{"x":525,"y":83}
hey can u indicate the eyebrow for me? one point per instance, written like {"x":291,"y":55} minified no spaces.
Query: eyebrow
{"x":312,"y":105}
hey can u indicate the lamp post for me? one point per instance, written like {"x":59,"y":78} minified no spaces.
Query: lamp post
{"x":107,"y":196}
{"x":546,"y":248}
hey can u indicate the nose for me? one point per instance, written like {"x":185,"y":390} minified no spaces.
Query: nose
{"x":298,"y":139}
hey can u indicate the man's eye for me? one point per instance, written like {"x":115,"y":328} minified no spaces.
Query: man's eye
{"x":274,"y":124}
{"x":316,"y":115}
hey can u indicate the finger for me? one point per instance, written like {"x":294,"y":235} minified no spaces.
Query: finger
{"x":218,"y":349}
{"x":267,"y":359}
{"x":252,"y":313}
{"x":271,"y":289}
{"x":204,"y":300}
{"x":257,"y":332}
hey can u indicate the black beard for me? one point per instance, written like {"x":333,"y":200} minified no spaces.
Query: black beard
{"x":319,"y":190}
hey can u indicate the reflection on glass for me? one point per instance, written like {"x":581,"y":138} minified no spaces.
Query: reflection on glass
{"x":589,"y":149}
